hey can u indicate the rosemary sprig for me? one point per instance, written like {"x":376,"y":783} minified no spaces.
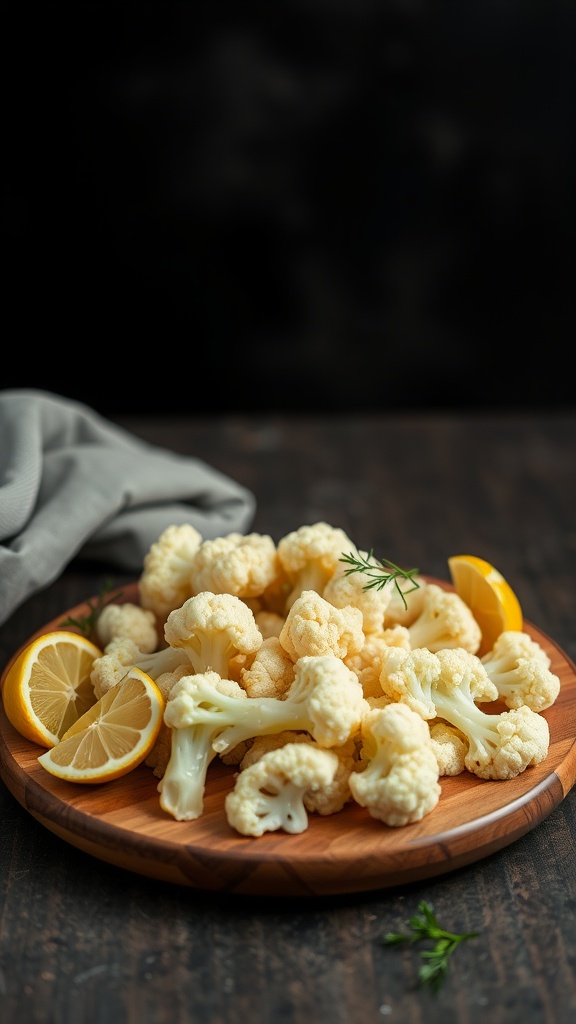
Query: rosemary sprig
{"x":436,"y":959}
{"x":87,"y":623}
{"x":380,"y":571}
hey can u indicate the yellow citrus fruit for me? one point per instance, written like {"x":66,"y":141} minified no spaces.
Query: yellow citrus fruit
{"x":490,"y":598}
{"x":48,"y":686}
{"x":113,"y":736}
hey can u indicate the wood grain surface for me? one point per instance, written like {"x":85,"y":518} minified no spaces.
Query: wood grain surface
{"x":122,"y":822}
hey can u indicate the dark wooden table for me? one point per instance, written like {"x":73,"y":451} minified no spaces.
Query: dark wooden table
{"x":83,"y":942}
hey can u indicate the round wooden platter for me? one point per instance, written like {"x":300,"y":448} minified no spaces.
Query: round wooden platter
{"x":122,"y":823}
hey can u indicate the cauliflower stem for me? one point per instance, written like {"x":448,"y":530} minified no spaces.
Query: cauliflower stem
{"x":182,"y":786}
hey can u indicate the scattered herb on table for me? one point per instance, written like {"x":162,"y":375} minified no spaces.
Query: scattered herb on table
{"x":87,"y":623}
{"x":380,"y":571}
{"x":432,"y":972}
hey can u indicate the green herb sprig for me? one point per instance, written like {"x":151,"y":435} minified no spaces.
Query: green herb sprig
{"x":380,"y":571}
{"x":436,"y":960}
{"x":87,"y":623}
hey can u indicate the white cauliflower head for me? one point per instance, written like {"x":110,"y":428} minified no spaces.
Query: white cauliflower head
{"x":271,"y":672}
{"x":165,"y":582}
{"x":313,"y":626}
{"x":128,"y":620}
{"x":334,"y":700}
{"x":459,"y":668}
{"x":269,"y":795}
{"x":500,"y":746}
{"x":409,"y":676}
{"x":520,"y":670}
{"x":505,"y":747}
{"x":309,"y":557}
{"x":240,"y":564}
{"x":450,"y":747}
{"x":400,"y":783}
{"x":444,"y":621}
{"x":448,"y":685}
{"x":327,"y":799}
{"x":212,"y":629}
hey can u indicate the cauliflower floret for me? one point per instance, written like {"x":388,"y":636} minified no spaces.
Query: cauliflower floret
{"x":445,"y":621}
{"x":212,"y":629}
{"x":400,"y":783}
{"x":165,"y":582}
{"x":408,"y":676}
{"x":130,"y":621}
{"x":499,"y":746}
{"x":367,"y":663}
{"x":450,"y":747}
{"x":122,"y":654}
{"x":325,"y":700}
{"x":183,"y":782}
{"x":313,"y":626}
{"x":326,"y":800}
{"x":269,"y":795}
{"x":411,"y":676}
{"x":271,"y":672}
{"x":240,"y":564}
{"x":520,"y":670}
{"x":309,"y":557}
{"x":344,"y":589}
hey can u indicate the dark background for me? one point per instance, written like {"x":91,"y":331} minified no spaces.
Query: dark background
{"x":328,"y":205}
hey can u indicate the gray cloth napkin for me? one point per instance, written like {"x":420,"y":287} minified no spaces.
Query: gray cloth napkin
{"x":72,"y":483}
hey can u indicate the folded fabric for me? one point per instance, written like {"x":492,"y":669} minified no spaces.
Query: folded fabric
{"x":74,"y":484}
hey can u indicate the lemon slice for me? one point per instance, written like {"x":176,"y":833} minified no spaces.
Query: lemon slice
{"x":490,"y":598}
{"x":113,"y":736}
{"x":48,"y":686}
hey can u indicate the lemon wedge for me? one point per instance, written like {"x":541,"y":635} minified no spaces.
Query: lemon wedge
{"x":114,"y":736}
{"x":47,"y":688}
{"x":490,"y":598}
